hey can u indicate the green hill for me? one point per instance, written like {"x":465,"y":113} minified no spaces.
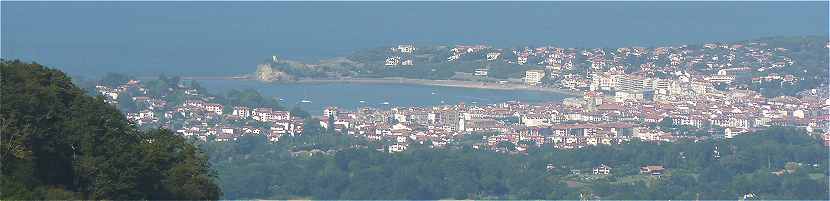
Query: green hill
{"x":774,"y":164}
{"x":58,"y":143}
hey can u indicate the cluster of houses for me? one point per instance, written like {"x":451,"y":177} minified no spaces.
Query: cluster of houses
{"x":596,"y":118}
{"x":200,"y":118}
{"x":713,"y":63}
{"x":593,"y":119}
{"x":617,"y":105}
{"x":401,"y":56}
{"x":210,"y":120}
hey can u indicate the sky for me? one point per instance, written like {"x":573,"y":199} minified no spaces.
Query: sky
{"x":221,"y":38}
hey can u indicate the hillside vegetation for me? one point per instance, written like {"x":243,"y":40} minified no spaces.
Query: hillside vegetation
{"x":58,"y":143}
{"x":804,"y":58}
{"x":335,"y":166}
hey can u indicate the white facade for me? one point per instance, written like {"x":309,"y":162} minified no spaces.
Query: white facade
{"x":533,"y":77}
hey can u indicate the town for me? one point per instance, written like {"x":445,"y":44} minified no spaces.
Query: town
{"x":675,"y":93}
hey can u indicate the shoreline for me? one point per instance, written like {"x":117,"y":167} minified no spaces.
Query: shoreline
{"x":443,"y":83}
{"x":399,"y":80}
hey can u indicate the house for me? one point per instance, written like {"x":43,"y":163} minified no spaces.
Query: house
{"x":275,"y":135}
{"x":406,"y":48}
{"x":243,"y":112}
{"x":215,"y":108}
{"x":330,"y":112}
{"x":481,"y":72}
{"x":521,"y":60}
{"x":730,"y":133}
{"x":652,"y":170}
{"x":550,"y":167}
{"x":602,"y":169}
{"x":392,"y":61}
{"x":262,"y":114}
{"x":225,"y":137}
{"x":194,"y":103}
{"x":280,"y":116}
{"x":493,"y":56}
{"x":397,"y":148}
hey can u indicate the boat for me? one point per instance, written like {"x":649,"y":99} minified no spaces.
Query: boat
{"x":305,"y":94}
{"x":386,"y":103}
{"x":362,"y":101}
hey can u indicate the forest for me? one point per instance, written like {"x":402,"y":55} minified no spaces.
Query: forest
{"x":59,"y":143}
{"x":779,"y":163}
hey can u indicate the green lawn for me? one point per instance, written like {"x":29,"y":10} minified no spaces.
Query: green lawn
{"x":817,"y":176}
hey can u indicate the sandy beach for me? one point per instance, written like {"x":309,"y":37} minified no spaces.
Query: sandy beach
{"x":446,"y":83}
{"x":398,"y":80}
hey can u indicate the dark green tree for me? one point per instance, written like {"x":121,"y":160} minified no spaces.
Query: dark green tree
{"x":63,"y":144}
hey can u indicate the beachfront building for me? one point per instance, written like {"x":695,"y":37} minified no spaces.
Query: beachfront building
{"x":534,"y":77}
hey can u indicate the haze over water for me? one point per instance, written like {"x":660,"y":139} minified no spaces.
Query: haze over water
{"x":220,"y":38}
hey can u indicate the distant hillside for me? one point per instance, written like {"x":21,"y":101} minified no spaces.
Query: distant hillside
{"x":804,"y":58}
{"x":775,"y":164}
{"x":58,"y":143}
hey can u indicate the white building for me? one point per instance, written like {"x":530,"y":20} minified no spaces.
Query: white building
{"x":481,"y":72}
{"x":720,"y":79}
{"x":330,"y":112}
{"x":406,"y":48}
{"x":533,"y":77}
{"x":243,"y":112}
{"x":493,"y":56}
{"x":392,"y":61}
{"x":397,"y":148}
{"x":521,"y":60}
{"x":215,"y":108}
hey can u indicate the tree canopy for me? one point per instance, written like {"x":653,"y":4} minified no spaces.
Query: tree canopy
{"x":335,"y":166}
{"x":59,"y":143}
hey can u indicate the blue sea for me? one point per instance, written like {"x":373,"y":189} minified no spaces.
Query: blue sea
{"x":222,"y":38}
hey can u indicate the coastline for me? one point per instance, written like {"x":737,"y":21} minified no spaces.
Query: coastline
{"x":443,"y":83}
{"x":399,"y":80}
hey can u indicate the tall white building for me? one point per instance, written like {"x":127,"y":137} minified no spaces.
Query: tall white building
{"x":461,"y":123}
{"x":329,"y":112}
{"x":533,"y":77}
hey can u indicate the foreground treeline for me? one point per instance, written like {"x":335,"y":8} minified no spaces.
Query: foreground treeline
{"x":326,"y":167}
{"x":58,"y":143}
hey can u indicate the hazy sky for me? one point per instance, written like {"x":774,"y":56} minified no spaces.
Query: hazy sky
{"x":198,"y":38}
